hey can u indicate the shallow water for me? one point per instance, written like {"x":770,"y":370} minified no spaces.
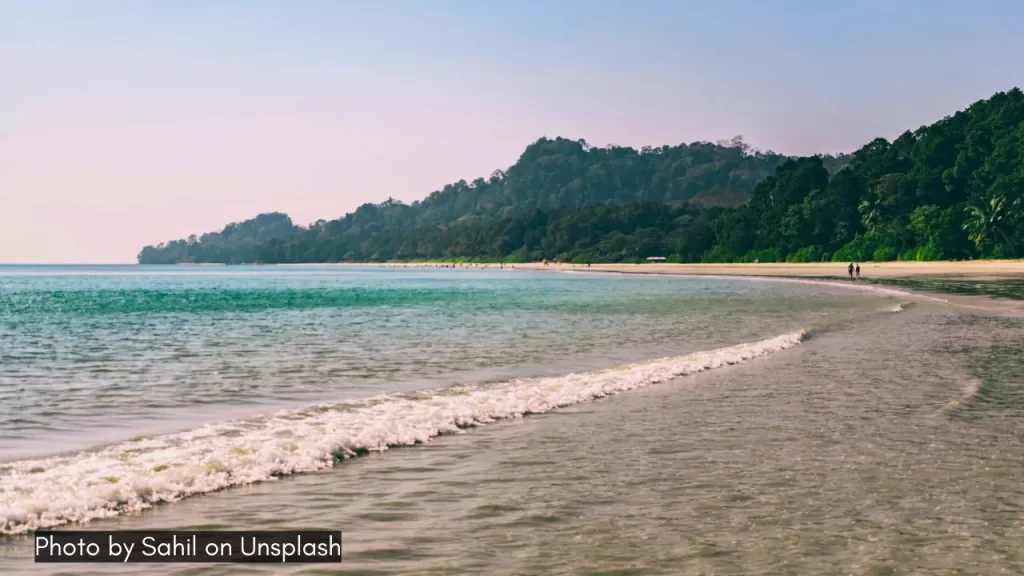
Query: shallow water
{"x":994,"y":287}
{"x":183,"y":346}
{"x":885,"y":443}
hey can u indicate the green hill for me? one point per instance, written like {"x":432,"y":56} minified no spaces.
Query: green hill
{"x":949,"y":190}
{"x":550,"y":175}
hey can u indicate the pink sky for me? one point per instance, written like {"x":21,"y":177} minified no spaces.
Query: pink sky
{"x":122,"y":126}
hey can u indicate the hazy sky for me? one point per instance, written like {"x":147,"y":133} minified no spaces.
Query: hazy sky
{"x":132,"y":122}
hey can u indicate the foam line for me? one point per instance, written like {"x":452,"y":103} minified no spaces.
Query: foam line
{"x":138,"y":474}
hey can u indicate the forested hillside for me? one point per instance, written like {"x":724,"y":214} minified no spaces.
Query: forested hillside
{"x":568,"y":173}
{"x":550,"y":174}
{"x":950,"y":190}
{"x":237,"y":243}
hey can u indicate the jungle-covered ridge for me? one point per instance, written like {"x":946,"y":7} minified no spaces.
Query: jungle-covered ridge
{"x":950,"y":190}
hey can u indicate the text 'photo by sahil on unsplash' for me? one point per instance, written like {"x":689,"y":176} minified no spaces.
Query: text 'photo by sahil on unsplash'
{"x":560,"y":287}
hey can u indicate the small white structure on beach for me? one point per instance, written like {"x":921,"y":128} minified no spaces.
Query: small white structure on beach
{"x":655,"y":258}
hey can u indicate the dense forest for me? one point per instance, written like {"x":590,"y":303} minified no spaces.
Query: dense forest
{"x":550,"y":174}
{"x":951,"y":190}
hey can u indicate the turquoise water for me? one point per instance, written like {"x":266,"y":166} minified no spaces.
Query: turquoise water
{"x":100,"y":353}
{"x":125,"y":387}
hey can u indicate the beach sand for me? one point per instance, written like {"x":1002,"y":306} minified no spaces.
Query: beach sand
{"x":976,"y":269}
{"x":968,"y":269}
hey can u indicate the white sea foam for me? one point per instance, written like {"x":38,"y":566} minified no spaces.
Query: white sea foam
{"x":136,"y":475}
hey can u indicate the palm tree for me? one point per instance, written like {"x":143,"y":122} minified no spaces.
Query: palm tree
{"x":870,"y":214}
{"x":987,"y":219}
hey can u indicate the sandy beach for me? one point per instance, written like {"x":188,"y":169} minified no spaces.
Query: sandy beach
{"x":975,"y":269}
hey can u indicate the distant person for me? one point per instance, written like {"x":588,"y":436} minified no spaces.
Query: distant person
{"x":858,"y":270}
{"x":849,"y":269}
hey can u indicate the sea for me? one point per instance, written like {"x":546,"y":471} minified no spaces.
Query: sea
{"x":488,"y":420}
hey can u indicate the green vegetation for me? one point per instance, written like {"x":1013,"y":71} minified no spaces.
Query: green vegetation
{"x":238,"y":243}
{"x":952,"y":190}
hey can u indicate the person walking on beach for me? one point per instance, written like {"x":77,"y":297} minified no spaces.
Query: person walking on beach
{"x":858,"y":269}
{"x":850,"y":269}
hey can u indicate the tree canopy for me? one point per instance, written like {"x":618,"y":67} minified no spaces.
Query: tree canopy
{"x":237,"y":243}
{"x":950,"y":190}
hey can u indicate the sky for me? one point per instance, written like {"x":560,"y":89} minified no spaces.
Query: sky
{"x":134,"y":122}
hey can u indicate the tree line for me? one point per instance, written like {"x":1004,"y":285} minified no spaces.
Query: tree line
{"x":951,"y":190}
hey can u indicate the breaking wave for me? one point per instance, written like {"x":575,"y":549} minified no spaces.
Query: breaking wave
{"x":136,"y":475}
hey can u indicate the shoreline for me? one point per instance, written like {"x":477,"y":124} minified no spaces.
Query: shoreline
{"x":972,"y":269}
{"x":817,"y":274}
{"x":900,"y":276}
{"x":881,"y":276}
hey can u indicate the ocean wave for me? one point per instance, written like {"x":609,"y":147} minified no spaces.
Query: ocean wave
{"x":138,"y":474}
